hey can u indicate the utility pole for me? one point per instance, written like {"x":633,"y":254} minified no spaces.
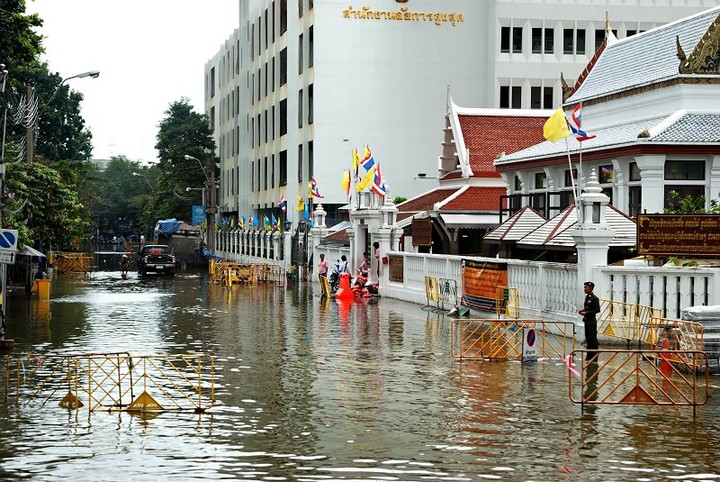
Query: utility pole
{"x":211,"y":210}
{"x":5,"y":344}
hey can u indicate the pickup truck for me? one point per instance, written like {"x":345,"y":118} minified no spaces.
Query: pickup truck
{"x":156,"y":258}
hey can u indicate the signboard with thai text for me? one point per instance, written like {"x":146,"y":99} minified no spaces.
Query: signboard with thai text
{"x":678,"y":234}
{"x":479,"y":282}
{"x":396,"y":268}
{"x":422,"y":232}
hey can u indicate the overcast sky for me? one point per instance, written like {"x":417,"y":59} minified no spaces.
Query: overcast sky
{"x":150,"y":53}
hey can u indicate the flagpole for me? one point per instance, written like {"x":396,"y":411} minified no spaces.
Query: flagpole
{"x":572,"y":179}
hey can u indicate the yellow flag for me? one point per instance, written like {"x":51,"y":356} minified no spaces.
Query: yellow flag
{"x":300,"y":204}
{"x":345,"y":181}
{"x":367,"y":180}
{"x":556,"y":127}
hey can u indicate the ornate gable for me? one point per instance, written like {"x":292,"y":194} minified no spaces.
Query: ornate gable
{"x":705,"y":57}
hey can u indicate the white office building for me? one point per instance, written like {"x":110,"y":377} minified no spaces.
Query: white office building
{"x":301,"y":83}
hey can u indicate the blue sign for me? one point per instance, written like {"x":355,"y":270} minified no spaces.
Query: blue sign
{"x":8,"y":239}
{"x":198,"y":214}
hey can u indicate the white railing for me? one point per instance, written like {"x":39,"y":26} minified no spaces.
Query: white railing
{"x":668,"y":289}
{"x":552,"y":289}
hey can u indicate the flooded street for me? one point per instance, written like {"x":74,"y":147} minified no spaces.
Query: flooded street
{"x":310,"y":390}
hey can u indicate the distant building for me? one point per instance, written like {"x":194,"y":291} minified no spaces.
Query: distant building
{"x":301,"y":84}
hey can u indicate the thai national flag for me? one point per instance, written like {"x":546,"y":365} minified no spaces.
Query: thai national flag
{"x":576,"y":125}
{"x":314,"y":191}
{"x":368,"y":161}
{"x":282,"y":203}
{"x":378,"y":185}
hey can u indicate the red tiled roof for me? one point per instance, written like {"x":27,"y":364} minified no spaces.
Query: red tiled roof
{"x":487,"y":136}
{"x":426,"y":202}
{"x":337,"y":237}
{"x":476,"y":199}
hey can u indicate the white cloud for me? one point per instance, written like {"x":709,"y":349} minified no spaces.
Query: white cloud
{"x":150,"y":53}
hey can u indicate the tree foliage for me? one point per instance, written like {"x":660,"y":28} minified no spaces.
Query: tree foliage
{"x":42,"y":205}
{"x":182,"y":132}
{"x":690,"y":204}
{"x":19,"y":43}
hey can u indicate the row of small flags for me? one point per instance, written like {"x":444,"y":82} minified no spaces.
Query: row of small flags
{"x":372,"y":179}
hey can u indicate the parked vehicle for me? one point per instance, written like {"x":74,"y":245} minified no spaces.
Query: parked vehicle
{"x":156,"y":258}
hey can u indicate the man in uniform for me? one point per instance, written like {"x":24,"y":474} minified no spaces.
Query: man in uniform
{"x":589,"y":312}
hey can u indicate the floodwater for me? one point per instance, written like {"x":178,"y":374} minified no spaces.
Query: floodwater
{"x":313,"y":391}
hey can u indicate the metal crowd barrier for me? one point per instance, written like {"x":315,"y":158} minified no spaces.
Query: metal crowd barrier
{"x":69,"y":262}
{"x":625,"y":320}
{"x":432,"y":294}
{"x":503,"y":339}
{"x":640,"y":377}
{"x":229,"y":273}
{"x":112,"y":381}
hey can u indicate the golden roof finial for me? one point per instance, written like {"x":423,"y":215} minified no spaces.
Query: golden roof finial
{"x":607,"y":22}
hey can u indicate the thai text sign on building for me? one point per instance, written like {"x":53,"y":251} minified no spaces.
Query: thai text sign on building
{"x":678,"y":234}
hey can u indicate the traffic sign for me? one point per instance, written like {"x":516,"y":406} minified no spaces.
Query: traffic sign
{"x":8,"y":239}
{"x":7,"y":256}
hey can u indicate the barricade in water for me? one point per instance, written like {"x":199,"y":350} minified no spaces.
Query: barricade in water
{"x":112,"y":381}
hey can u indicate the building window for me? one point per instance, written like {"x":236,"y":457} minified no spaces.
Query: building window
{"x":517,"y":40}
{"x":283,"y":66}
{"x":568,"y":41}
{"x":518,"y":184}
{"x":257,"y":131}
{"x":311,"y":172}
{"x":252,"y":176}
{"x":504,"y":97}
{"x":272,"y":79}
{"x":252,"y":42}
{"x":505,"y":39}
{"x":537,"y":201}
{"x":273,"y":20}
{"x":273,"y":122}
{"x":630,"y":33}
{"x":300,"y":8}
{"x":310,"y":104}
{"x":310,"y":46}
{"x":266,"y":125}
{"x":258,"y":174}
{"x":580,"y":42}
{"x":252,"y":90}
{"x":300,"y":163}
{"x":259,"y":91}
{"x":283,"y":168}
{"x":599,"y":38}
{"x":272,"y":168}
{"x":635,"y":172}
{"x":259,"y":42}
{"x":606,"y":174}
{"x":300,"y":108}
{"x":549,"y":40}
{"x":267,"y":21}
{"x":516,"y":97}
{"x":541,"y":97}
{"x":300,"y":53}
{"x":634,"y":200}
{"x":283,"y":117}
{"x":570,"y":181}
{"x":685,"y":170}
{"x":267,"y":75}
{"x":266,"y":173}
{"x":542,"y":40}
{"x":680,"y":192}
{"x":212,"y":82}
{"x":537,"y":40}
{"x":540,"y":180}
{"x":283,"y":16}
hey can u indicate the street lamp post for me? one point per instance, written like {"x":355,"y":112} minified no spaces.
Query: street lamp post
{"x":211,"y":208}
{"x":146,"y":180}
{"x":30,"y":133}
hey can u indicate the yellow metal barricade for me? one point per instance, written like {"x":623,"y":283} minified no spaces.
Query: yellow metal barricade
{"x":325,"y":286}
{"x":113,"y":382}
{"x":634,"y":377}
{"x":507,"y":302}
{"x":70,"y":262}
{"x":503,"y":339}
{"x":432,"y":293}
{"x":624,"y":320}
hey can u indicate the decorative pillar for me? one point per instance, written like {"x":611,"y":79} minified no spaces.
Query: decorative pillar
{"x":592,"y":235}
{"x":652,"y":171}
{"x":276,"y":245}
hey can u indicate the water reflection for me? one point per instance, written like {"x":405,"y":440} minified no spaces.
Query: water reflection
{"x":312,"y":389}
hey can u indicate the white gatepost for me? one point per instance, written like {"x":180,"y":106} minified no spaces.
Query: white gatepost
{"x":592,"y":236}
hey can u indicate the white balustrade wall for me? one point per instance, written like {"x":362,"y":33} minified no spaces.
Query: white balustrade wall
{"x":250,"y":246}
{"x":552,"y":289}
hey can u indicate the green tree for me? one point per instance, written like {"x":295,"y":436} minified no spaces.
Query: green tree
{"x":19,"y":43}
{"x":690,"y":204}
{"x":42,"y":206}
{"x":182,"y":132}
